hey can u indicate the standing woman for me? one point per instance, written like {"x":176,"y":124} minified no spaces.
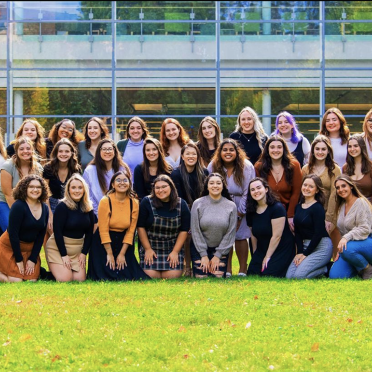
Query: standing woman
{"x":21,"y":164}
{"x":367,"y":132}
{"x":63,"y":129}
{"x":132,"y":147}
{"x":35,"y":132}
{"x":231,"y":163}
{"x":250,"y":133}
{"x":282,"y":172}
{"x":209,"y":137}
{"x":153,"y":165}
{"x":354,"y":223}
{"x":314,"y":247}
{"x":67,"y":248}
{"x":358,"y":166}
{"x":272,"y":240}
{"x":213,"y":227}
{"x":112,"y":254}
{"x":334,"y":127}
{"x":298,"y":145}
{"x":94,"y":131}
{"x":163,"y":224}
{"x":3,"y":153}
{"x":20,"y":245}
{"x":173,"y":137}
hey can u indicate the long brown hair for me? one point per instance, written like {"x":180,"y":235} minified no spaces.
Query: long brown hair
{"x":33,"y":165}
{"x":173,"y":197}
{"x":143,"y":125}
{"x":182,"y":139}
{"x":350,"y":162}
{"x":202,"y":142}
{"x":76,"y":135}
{"x":329,"y":162}
{"x":101,"y":124}
{"x":320,"y":195}
{"x":239,"y":162}
{"x":344,"y":129}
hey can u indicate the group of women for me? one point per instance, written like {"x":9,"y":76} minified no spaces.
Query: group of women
{"x":297,"y":204}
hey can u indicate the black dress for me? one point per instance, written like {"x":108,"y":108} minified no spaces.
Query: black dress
{"x":283,"y":255}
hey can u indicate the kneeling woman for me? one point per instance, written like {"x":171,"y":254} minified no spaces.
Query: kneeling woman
{"x":112,"y":254}
{"x":20,"y":245}
{"x":314,"y":246}
{"x":73,"y":225}
{"x":163,"y":223}
{"x":272,"y":240}
{"x":213,"y":226}
{"x":354,"y":222}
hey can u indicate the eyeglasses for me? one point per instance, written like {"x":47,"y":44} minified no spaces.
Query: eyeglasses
{"x":35,"y":187}
{"x":107,"y":149}
{"x":124,"y":180}
{"x":158,"y":188}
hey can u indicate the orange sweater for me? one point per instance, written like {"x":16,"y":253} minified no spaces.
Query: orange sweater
{"x":289,"y":193}
{"x":119,"y":220}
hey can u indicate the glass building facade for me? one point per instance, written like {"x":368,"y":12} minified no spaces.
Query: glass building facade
{"x":187,"y":60}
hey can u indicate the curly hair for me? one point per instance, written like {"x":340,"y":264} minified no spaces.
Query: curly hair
{"x":20,"y":191}
{"x":296,"y":135}
{"x":320,"y":195}
{"x":350,"y":161}
{"x":33,"y":164}
{"x":75,"y":138}
{"x":143,"y":125}
{"x":182,"y":139}
{"x":329,"y":162}
{"x":173,"y":197}
{"x":344,"y":130}
{"x":103,"y":127}
{"x":239,"y":162}
{"x":271,"y":197}
{"x":225,"y":192}
{"x":129,"y":192}
{"x":202,"y":142}
{"x":265,"y":161}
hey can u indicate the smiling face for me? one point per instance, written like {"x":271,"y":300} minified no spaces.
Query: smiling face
{"x":171,"y":131}
{"x":215,"y":186}
{"x":64,"y":153}
{"x":66,"y":130}
{"x":353,"y":148}
{"x":94,"y":130}
{"x":276,"y":150}
{"x":228,"y":153}
{"x":320,"y":151}
{"x":24,"y":151}
{"x":247,"y":122}
{"x":151,"y":152}
{"x":190,"y":157}
{"x":333,"y":124}
{"x":121,"y":184}
{"x":34,"y":190}
{"x":135,"y":131}
{"x":107,"y":152}
{"x":162,"y":190}
{"x":29,"y":130}
{"x":309,"y":188}
{"x":76,"y":190}
{"x":258,"y":191}
{"x":343,"y":189}
{"x":208,"y":130}
{"x":284,"y":126}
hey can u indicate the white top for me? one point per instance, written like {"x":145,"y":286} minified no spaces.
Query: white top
{"x":172,"y":163}
{"x":2,"y":160}
{"x":339,"y":151}
{"x":369,"y":149}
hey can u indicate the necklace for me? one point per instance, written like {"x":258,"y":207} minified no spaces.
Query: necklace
{"x":319,"y":170}
{"x":248,"y":139}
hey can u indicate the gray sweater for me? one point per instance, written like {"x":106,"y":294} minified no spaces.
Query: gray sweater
{"x":213,"y":225}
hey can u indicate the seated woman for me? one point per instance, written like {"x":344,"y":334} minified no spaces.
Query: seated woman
{"x":163,"y":223}
{"x":20,"y":245}
{"x":213,"y":228}
{"x":354,"y":223}
{"x":314,"y":247}
{"x":112,"y":254}
{"x":273,"y":243}
{"x":73,"y":224}
{"x":358,"y":166}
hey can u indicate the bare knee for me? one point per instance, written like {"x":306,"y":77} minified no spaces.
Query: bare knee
{"x":171,"y":274}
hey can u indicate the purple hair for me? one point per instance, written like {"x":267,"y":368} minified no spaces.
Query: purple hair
{"x":296,"y":135}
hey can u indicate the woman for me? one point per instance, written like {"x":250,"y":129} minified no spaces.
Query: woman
{"x":163,"y":223}
{"x":189,"y":181}
{"x":367,"y":132}
{"x":100,"y":171}
{"x":272,"y":240}
{"x":20,"y":245}
{"x":73,"y":224}
{"x":231,"y":163}
{"x":112,"y":255}
{"x":334,"y":127}
{"x":21,"y":164}
{"x":282,"y":172}
{"x":153,"y":165}
{"x":314,"y":247}
{"x":63,"y":129}
{"x":209,"y":137}
{"x":173,"y":137}
{"x":132,"y":147}
{"x":354,"y":223}
{"x":3,"y":153}
{"x":94,"y":131}
{"x":213,"y":227}
{"x":250,"y":133}
{"x":358,"y":166}
{"x":298,"y":145}
{"x":32,"y":129}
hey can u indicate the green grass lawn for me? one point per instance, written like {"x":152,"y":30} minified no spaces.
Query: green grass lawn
{"x":238,"y":324}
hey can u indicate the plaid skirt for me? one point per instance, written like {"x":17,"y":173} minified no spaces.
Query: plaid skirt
{"x":160,"y":263}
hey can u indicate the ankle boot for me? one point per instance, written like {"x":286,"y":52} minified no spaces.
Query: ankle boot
{"x":366,"y":273}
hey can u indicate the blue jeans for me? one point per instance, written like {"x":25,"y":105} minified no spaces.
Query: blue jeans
{"x":356,"y":256}
{"x":4,"y":215}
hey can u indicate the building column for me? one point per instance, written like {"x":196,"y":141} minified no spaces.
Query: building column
{"x":266,"y":110}
{"x":18,"y":110}
{"x":266,"y":15}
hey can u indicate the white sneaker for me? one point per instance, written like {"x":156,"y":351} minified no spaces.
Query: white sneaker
{"x":242,"y":274}
{"x":228,"y":275}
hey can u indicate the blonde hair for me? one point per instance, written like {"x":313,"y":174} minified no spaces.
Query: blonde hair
{"x":85,"y":202}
